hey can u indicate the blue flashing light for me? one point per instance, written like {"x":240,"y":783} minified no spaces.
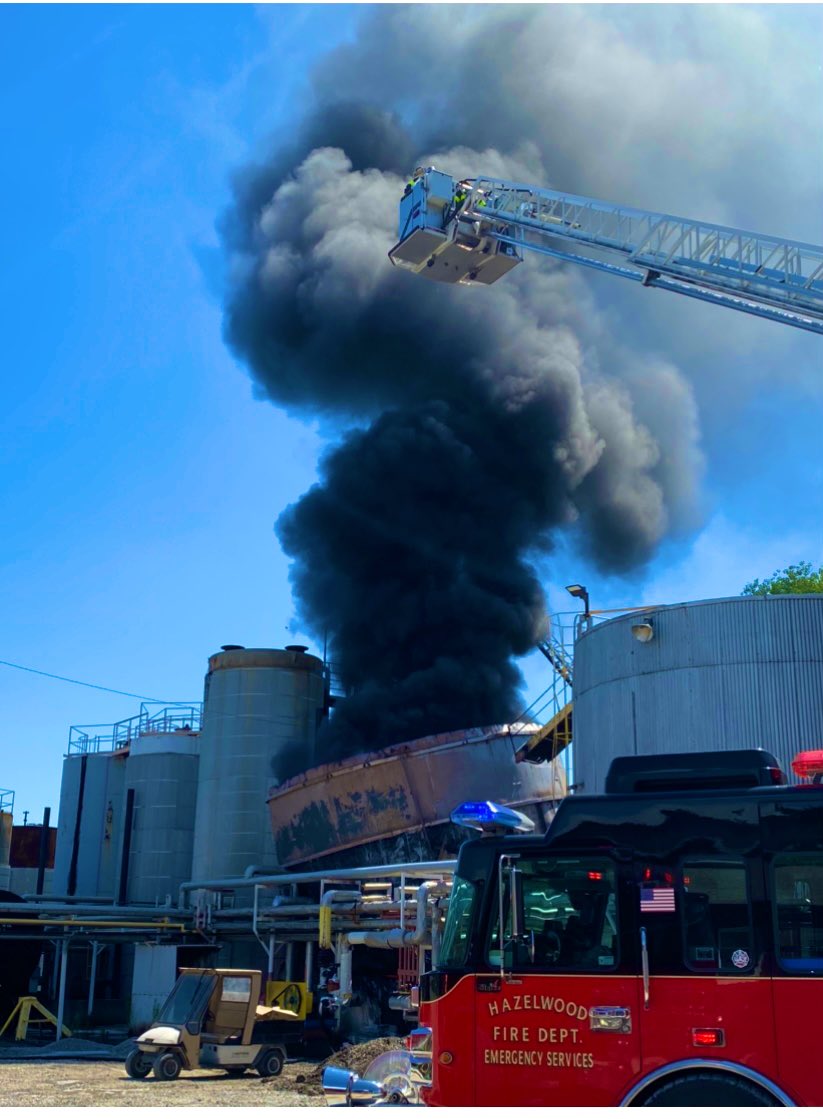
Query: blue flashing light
{"x":486,"y":816}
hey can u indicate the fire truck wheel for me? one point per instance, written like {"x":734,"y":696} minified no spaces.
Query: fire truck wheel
{"x":167,"y":1065}
{"x":271,"y":1062}
{"x":709,"y":1089}
{"x":138,"y":1065}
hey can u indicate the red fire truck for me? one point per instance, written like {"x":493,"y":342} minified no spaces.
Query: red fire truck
{"x":661,"y":945}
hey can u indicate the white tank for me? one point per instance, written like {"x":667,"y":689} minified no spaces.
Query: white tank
{"x":260,"y":705}
{"x":90,"y":824}
{"x":724,"y":674}
{"x":162,"y":770}
{"x":5,"y":849}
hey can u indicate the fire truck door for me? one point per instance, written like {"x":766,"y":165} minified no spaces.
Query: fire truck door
{"x":559,"y":1026}
{"x":702,"y":997}
{"x":797,"y":905}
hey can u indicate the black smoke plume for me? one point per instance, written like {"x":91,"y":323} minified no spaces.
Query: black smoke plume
{"x":477,"y":423}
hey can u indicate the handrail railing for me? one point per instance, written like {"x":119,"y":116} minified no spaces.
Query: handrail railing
{"x":178,"y":718}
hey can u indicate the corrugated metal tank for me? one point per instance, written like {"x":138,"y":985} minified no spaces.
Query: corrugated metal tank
{"x":86,"y":859}
{"x":717,"y":675}
{"x":162,"y":770}
{"x":260,"y":706}
{"x":5,"y":849}
{"x":393,"y":805}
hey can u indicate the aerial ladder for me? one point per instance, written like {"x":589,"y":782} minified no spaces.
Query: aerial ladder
{"x":475,"y":231}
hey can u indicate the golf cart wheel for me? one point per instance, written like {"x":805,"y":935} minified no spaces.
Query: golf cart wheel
{"x":271,"y":1063}
{"x":138,"y":1065}
{"x":167,"y":1065}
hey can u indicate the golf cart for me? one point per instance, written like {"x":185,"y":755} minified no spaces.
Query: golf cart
{"x":212,"y":1019}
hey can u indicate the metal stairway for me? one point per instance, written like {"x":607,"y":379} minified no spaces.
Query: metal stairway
{"x":555,"y":735}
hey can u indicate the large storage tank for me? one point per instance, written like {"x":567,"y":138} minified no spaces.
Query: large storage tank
{"x":717,"y":675}
{"x":90,"y":824}
{"x":261,"y":706}
{"x":162,"y":771}
{"x":6,"y":820}
{"x":393,"y":805}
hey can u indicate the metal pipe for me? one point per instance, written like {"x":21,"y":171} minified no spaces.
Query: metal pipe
{"x":75,"y":847}
{"x":252,"y":871}
{"x":309,"y":971}
{"x":61,"y":998}
{"x":74,"y":922}
{"x":93,"y":979}
{"x":400,"y":937}
{"x":338,"y":896}
{"x":289,"y":961}
{"x":128,"y":819}
{"x":68,"y":897}
{"x":347,"y":874}
{"x":344,"y":971}
{"x":65,"y":907}
{"x":44,"y":850}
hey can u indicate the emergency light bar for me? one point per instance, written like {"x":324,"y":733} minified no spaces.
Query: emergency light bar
{"x":486,"y":816}
{"x":808,"y":763}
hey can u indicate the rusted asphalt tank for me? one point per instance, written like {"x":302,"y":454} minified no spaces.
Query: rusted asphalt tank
{"x":393,"y":805}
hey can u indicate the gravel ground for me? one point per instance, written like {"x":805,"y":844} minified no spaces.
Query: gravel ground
{"x":103,"y":1083}
{"x":77,"y":1083}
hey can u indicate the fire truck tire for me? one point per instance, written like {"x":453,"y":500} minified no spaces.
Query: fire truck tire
{"x":167,"y":1065}
{"x":138,"y":1065}
{"x":709,"y":1089}
{"x":271,"y":1062}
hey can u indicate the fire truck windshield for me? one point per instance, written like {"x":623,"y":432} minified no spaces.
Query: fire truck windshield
{"x":455,"y":944}
{"x":569,"y":916}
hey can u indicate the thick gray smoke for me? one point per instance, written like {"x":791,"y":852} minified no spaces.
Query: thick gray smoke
{"x":478,"y":422}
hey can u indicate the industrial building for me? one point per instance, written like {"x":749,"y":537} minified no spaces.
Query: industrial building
{"x":181,"y":841}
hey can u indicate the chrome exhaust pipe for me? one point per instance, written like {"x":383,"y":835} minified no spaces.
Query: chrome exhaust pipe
{"x":344,"y":1088}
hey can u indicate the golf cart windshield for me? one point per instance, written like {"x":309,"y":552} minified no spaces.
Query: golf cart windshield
{"x":187,"y":1001}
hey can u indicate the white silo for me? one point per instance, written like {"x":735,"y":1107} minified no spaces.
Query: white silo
{"x":722,"y":674}
{"x":161,"y":781}
{"x":260,"y":705}
{"x":6,"y":819}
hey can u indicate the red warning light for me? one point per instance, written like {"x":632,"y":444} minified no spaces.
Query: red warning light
{"x":647,"y":874}
{"x":708,"y":1037}
{"x":808,"y":763}
{"x":595,"y":875}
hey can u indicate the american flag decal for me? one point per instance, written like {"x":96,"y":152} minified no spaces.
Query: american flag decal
{"x":657,"y":899}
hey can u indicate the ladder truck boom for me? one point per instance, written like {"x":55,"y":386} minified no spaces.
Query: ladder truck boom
{"x":474,"y":231}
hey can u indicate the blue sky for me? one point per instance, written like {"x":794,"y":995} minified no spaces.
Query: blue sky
{"x":140,"y":475}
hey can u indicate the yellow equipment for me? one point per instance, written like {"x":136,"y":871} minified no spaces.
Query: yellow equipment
{"x":288,"y":995}
{"x":27,"y":1011}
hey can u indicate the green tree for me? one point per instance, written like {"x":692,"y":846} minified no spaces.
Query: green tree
{"x":799,"y":578}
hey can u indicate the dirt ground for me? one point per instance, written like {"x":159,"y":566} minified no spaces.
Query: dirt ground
{"x":79,"y":1083}
{"x":105,"y":1084}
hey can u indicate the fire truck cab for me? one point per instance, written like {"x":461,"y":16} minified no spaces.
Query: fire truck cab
{"x":661,"y":945}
